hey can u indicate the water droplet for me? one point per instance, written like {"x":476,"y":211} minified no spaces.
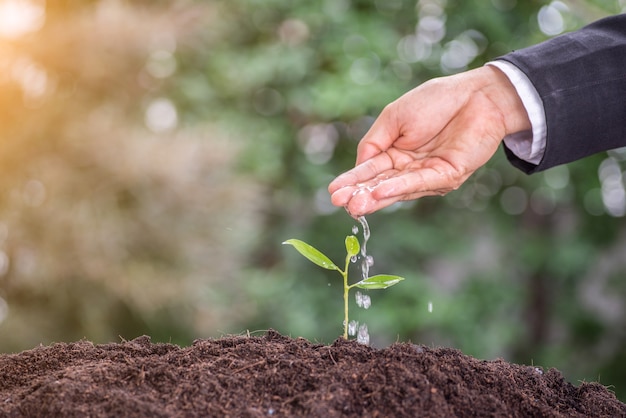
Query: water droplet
{"x":363,"y":301}
{"x":363,"y":337}
{"x":369,"y":260}
{"x":353,"y":259}
{"x":430,"y":307}
{"x":355,"y":229}
{"x":352,"y":327}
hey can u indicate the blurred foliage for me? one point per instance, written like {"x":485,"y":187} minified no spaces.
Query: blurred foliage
{"x":155,"y":154}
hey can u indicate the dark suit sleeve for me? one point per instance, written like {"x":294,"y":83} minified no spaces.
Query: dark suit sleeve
{"x":581,"y":79}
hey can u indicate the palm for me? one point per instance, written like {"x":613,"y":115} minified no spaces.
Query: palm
{"x":407,"y":156}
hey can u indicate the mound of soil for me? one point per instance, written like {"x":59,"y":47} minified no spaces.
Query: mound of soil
{"x":279,"y":376}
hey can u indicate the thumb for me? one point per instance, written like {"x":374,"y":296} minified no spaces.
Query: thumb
{"x":379,"y":138}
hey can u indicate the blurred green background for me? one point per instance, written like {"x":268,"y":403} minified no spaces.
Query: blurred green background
{"x":155,"y":154}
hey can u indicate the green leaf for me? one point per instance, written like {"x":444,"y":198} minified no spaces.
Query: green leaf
{"x":352,"y":245}
{"x":312,"y":253}
{"x":380,"y":281}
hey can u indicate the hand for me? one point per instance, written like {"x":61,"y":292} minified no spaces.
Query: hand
{"x":430,"y":140}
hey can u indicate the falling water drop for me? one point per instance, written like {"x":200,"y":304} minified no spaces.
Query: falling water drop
{"x":355,"y":229}
{"x":363,"y":337}
{"x":369,"y":260}
{"x":363,"y":301}
{"x":352,"y":327}
{"x":430,"y":307}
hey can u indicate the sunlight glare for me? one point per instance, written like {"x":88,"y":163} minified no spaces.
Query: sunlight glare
{"x":19,"y":17}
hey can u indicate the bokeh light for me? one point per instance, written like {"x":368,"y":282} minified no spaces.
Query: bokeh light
{"x":612,"y":186}
{"x":550,"y":18}
{"x":161,"y":116}
{"x":19,"y":17}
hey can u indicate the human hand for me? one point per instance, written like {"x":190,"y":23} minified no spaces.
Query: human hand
{"x":430,"y":140}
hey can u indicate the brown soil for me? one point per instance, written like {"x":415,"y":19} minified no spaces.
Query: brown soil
{"x":278,"y":376}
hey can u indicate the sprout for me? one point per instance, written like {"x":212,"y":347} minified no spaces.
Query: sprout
{"x":381,"y":281}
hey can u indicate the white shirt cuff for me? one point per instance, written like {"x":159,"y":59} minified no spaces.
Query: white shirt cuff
{"x":527,"y":145}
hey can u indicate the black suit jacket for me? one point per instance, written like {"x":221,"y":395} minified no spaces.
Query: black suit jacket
{"x":581,"y":79}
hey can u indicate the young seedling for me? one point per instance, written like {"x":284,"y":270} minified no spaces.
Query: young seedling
{"x":381,"y":281}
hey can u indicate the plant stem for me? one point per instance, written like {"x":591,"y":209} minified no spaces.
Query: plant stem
{"x":346,"y":291}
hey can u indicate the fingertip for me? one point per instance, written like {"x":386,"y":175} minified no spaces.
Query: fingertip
{"x":341,"y":181}
{"x":360,"y":203}
{"x":361,"y":206}
{"x":341,"y":196}
{"x":334,"y":185}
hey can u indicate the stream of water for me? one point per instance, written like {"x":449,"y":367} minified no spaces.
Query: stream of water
{"x":362,"y":300}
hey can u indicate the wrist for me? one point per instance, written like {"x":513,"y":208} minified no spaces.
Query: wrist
{"x":499,"y":89}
